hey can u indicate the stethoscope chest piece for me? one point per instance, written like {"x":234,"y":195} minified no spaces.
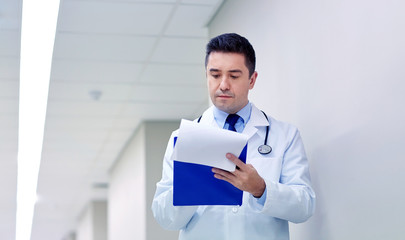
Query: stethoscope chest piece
{"x":264,"y":149}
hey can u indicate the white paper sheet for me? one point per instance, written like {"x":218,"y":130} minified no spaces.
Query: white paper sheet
{"x":207,"y":145}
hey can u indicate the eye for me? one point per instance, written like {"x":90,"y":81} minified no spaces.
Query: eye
{"x":234,"y":77}
{"x":215,"y":75}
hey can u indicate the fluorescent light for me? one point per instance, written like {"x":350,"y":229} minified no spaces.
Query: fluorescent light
{"x":38,"y":29}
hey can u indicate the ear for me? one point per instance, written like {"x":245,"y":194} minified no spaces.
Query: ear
{"x":252,"y":80}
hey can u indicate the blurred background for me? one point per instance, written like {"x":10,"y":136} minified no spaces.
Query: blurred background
{"x":124,"y":72}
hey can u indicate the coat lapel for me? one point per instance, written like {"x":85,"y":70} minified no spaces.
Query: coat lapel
{"x":257,"y":119}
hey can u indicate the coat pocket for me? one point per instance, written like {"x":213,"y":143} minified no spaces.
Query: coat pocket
{"x":268,"y":168}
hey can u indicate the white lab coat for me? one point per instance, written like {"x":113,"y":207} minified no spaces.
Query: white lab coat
{"x":289,"y":195}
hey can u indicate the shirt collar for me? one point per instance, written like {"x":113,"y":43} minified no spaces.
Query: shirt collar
{"x":244,"y":113}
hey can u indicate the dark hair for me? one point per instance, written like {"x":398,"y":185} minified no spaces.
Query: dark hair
{"x":233,"y":43}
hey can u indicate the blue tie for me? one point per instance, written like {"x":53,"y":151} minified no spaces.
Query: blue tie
{"x":231,"y":120}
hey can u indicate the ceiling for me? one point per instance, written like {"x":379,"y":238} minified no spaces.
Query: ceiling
{"x":116,"y":63}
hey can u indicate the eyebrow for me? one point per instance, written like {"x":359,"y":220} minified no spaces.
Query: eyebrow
{"x":231,"y":71}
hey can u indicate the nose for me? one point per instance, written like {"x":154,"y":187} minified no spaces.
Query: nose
{"x":225,"y":84}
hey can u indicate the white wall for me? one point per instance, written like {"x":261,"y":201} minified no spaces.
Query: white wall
{"x":85,"y":225}
{"x":92,"y":224}
{"x":156,"y":138}
{"x":133,"y":183}
{"x":335,"y":69}
{"x":100,"y":219}
{"x":126,"y":195}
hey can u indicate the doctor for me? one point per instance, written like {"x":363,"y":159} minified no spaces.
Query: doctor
{"x":276,"y":186}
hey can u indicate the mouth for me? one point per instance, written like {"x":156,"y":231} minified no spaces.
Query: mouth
{"x":224,"y":96}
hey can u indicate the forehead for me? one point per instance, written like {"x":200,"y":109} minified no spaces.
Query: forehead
{"x":226,"y":61}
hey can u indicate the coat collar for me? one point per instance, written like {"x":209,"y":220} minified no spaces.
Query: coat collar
{"x":257,"y":119}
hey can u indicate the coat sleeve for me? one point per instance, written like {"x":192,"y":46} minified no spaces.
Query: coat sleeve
{"x":292,"y":198}
{"x":168,"y":216}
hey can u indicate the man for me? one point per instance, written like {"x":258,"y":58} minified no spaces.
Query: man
{"x":276,"y":186}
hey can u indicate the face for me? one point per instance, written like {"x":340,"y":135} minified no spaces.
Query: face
{"x":228,"y":81}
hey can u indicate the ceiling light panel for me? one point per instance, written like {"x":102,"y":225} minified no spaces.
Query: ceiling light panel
{"x":189,"y":21}
{"x":10,"y":43}
{"x":114,"y":144}
{"x":10,"y":14}
{"x":8,"y":182}
{"x":76,"y":91}
{"x":129,"y":18}
{"x":95,"y":72}
{"x":8,"y":137}
{"x":102,"y":47}
{"x":163,"y":111}
{"x":180,"y":50}
{"x":9,"y":106}
{"x":9,"y":89}
{"x":157,"y":93}
{"x":85,"y":122}
{"x":11,"y":123}
{"x":87,"y":109}
{"x":173,"y":74}
{"x":75,"y":154}
{"x":85,"y":141}
{"x":8,"y":173}
{"x":58,"y":171}
{"x":9,"y":68}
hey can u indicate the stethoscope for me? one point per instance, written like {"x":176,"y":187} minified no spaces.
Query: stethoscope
{"x":264,"y":148}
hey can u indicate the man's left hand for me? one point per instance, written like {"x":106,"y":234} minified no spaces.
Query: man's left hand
{"x":245,"y":177}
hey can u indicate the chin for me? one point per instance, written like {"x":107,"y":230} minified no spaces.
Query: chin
{"x":225,"y":106}
{"x":226,"y":109}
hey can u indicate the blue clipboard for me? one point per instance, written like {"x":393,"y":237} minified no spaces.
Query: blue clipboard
{"x":195,"y":184}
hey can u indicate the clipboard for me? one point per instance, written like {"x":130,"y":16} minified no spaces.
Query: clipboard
{"x":195,"y":184}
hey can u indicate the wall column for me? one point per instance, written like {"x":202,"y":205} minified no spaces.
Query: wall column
{"x":133,"y":181}
{"x":92,"y":223}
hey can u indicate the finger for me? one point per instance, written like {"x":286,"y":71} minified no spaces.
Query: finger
{"x":222,"y":174}
{"x":236,"y":160}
